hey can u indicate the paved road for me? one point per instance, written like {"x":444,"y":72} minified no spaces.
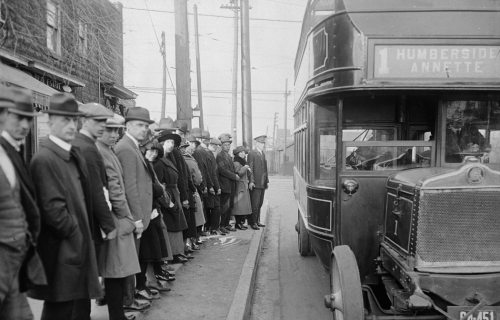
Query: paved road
{"x":288,"y":285}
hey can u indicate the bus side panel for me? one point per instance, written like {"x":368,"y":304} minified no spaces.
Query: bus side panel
{"x":320,"y":221}
{"x":300,"y":193}
{"x":363,"y":215}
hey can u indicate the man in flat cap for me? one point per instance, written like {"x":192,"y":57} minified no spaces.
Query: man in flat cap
{"x":259,"y":181}
{"x":65,"y":245}
{"x":93,"y":122}
{"x":227,"y":180}
{"x":19,"y":215}
{"x":118,"y":259}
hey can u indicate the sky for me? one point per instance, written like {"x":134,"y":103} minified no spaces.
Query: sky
{"x":273,"y":45}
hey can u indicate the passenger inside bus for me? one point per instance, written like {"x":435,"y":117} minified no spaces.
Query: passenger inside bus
{"x":463,"y":134}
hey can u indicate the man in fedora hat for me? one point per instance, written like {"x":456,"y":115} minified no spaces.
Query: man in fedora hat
{"x":137,"y":179}
{"x":227,"y":179}
{"x":63,"y":188}
{"x":20,"y":223}
{"x":259,"y":180}
{"x":182,"y":126}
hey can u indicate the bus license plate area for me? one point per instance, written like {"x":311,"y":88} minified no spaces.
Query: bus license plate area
{"x":485,"y":313}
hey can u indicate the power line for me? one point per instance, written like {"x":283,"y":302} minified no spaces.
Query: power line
{"x":213,"y":15}
{"x":152,"y":24}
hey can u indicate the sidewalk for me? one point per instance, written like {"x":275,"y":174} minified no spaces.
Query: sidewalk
{"x":217,"y":283}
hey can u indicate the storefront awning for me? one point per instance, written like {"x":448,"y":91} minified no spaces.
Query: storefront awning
{"x":118,"y":91}
{"x":16,"y":77}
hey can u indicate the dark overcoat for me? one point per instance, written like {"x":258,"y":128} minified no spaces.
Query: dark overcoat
{"x":258,"y":165}
{"x":213,"y":200}
{"x":227,"y":173}
{"x":167,"y":174}
{"x":32,"y":272}
{"x":65,"y":244}
{"x":182,"y":177}
{"x":101,"y":215}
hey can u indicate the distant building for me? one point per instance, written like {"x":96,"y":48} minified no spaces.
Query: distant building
{"x":63,"y":45}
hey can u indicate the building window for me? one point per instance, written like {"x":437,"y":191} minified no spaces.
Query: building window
{"x":3,"y":12}
{"x":53,"y":27}
{"x":82,"y":37}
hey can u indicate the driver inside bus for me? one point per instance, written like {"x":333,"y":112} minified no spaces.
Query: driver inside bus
{"x":463,"y":137}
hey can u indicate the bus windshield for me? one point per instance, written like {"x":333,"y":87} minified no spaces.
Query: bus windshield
{"x":472,"y":131}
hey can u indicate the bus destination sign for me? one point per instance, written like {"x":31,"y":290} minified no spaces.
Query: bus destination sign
{"x":436,"y":61}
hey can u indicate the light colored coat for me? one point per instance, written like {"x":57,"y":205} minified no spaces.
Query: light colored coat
{"x":118,"y":257}
{"x":137,"y":180}
{"x":242,"y":204}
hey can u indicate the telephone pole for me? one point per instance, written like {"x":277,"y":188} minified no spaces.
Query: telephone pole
{"x":164,"y":91}
{"x":182,"y":76}
{"x":275,"y":124}
{"x":198,"y":71}
{"x":246,"y":91}
{"x":287,"y":93}
{"x":234,"y":110}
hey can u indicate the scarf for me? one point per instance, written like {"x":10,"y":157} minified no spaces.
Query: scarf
{"x":240,"y":160}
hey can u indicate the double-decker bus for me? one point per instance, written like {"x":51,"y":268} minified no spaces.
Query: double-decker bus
{"x":397,"y":156}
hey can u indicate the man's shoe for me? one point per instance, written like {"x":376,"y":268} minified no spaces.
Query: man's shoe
{"x":148,"y":294}
{"x":213,"y":232}
{"x":230,"y":228}
{"x":101,"y":301}
{"x":223,"y":231}
{"x":239,"y":226}
{"x":244,"y":227}
{"x":260,"y":224}
{"x":157,"y":285}
{"x":179,"y":259}
{"x":186,"y":256}
{"x":255,"y":226}
{"x":164,"y":276}
{"x":138,"y":305}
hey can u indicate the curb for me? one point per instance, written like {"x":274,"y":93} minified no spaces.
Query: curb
{"x":242,"y":300}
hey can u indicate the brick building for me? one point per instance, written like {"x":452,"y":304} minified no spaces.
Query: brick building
{"x":63,"y":45}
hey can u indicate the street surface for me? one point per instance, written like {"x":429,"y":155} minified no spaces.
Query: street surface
{"x":288,"y":286}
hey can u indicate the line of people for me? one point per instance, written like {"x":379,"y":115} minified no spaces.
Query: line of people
{"x":93,"y":204}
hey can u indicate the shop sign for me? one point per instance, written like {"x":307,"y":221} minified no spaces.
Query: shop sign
{"x":50,"y":82}
{"x":436,"y":61}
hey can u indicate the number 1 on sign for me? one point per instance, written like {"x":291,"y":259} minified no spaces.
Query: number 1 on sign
{"x":383,"y":69}
{"x":395,"y":227}
{"x":482,"y":315}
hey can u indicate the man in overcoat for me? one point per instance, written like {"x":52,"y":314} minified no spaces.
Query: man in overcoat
{"x":213,"y":213}
{"x":65,"y":244}
{"x":20,"y":265}
{"x":118,"y":257}
{"x":227,"y":179}
{"x":94,"y":119}
{"x":259,"y":181}
{"x":137,"y":179}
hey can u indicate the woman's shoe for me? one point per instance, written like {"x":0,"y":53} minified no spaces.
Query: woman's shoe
{"x":179,"y":259}
{"x":195,"y":247}
{"x":148,"y":294}
{"x":255,"y":226}
{"x":239,"y":226}
{"x":223,"y":231}
{"x":186,"y":256}
{"x":213,"y":233}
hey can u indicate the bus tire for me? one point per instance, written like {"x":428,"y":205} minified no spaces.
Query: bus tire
{"x":303,"y":238}
{"x":346,"y":298}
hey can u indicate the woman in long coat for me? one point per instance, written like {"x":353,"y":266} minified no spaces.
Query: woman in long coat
{"x":242,"y":206}
{"x":196,"y":177}
{"x":117,"y":257}
{"x":173,"y":216}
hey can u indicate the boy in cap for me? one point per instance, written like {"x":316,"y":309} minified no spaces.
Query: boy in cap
{"x":20,"y":223}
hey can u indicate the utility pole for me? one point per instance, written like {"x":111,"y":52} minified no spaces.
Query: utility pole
{"x":246,"y":92}
{"x":198,"y":71}
{"x":287,"y":93}
{"x":234,"y":110}
{"x":182,"y":76}
{"x":164,"y":91}
{"x":275,"y":124}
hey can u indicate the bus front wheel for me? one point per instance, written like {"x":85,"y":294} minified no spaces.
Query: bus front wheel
{"x":303,"y":238}
{"x":346,"y":298}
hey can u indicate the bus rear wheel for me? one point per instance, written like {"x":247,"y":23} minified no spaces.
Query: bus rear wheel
{"x":346,"y":298}
{"x":303,"y":238}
